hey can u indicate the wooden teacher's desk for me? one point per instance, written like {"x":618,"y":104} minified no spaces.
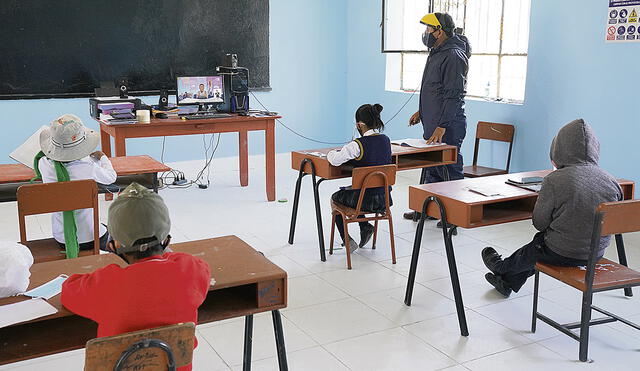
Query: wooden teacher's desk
{"x":177,"y":126}
{"x":246,"y":283}
{"x":309,"y":162}
{"x":464,"y":208}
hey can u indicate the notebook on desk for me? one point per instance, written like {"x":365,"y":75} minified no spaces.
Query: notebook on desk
{"x":534,"y":187}
{"x":415,"y":143}
{"x":27,"y":151}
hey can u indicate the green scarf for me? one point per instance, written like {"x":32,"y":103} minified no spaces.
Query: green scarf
{"x":68,"y":220}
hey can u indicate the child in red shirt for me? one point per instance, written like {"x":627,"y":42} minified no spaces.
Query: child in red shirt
{"x":157,"y":288}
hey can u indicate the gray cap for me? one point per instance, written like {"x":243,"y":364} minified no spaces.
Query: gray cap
{"x":138,"y":213}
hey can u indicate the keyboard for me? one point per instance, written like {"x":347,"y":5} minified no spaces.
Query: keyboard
{"x":207,"y":116}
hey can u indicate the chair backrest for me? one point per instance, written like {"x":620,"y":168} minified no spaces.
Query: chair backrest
{"x":102,"y":354}
{"x":374,"y":175}
{"x":494,"y":131}
{"x":620,"y":217}
{"x":45,"y":198}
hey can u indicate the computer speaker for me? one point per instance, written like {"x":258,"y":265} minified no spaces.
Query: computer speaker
{"x":123,"y":88}
{"x":163,"y":102}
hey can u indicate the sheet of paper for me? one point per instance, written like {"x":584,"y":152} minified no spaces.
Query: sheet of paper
{"x":415,"y":143}
{"x":317,"y":154}
{"x":27,"y":151}
{"x":485,"y":191}
{"x":24,"y":311}
{"x":49,"y":289}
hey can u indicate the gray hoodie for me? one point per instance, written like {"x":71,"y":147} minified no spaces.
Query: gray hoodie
{"x":566,"y":206}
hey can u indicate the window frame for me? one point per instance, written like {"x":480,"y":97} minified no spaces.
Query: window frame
{"x":499,"y":55}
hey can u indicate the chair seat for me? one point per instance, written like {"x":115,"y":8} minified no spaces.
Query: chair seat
{"x":480,"y":171}
{"x":609,"y":275}
{"x":48,"y":249}
{"x":350,"y":212}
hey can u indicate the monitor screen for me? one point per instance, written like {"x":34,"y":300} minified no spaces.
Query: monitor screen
{"x":200,"y":90}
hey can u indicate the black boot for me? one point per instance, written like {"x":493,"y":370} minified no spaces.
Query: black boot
{"x":498,"y":284}
{"x":366,"y":231}
{"x":492,"y":260}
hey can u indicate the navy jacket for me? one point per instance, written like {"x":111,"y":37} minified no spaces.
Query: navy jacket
{"x":375,"y":150}
{"x":443,"y":89}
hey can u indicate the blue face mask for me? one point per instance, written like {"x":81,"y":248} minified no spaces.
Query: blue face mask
{"x":429,"y":40}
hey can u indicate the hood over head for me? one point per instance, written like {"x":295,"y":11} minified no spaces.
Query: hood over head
{"x":575,"y":144}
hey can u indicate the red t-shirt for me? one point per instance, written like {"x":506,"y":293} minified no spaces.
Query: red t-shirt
{"x":153,"y":292}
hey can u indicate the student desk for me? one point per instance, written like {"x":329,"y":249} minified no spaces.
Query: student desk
{"x":246,"y":283}
{"x":454,"y":203}
{"x":143,"y":169}
{"x":177,"y":126}
{"x":405,"y":158}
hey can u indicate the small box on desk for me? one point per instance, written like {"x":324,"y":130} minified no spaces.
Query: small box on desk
{"x":95,"y":111}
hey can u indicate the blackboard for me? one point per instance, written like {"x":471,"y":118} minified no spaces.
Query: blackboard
{"x":66,"y":48}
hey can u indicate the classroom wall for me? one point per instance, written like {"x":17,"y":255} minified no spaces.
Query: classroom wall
{"x":571,"y":73}
{"x":307,"y":62}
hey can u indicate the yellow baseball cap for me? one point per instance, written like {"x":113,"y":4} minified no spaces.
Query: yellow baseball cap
{"x":431,"y":20}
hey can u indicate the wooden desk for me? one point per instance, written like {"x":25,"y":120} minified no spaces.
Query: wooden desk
{"x":176,"y":126}
{"x":143,"y":169}
{"x":406,"y":158}
{"x":454,"y":203}
{"x":246,"y":283}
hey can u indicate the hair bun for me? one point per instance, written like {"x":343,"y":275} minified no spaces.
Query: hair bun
{"x":377,"y":108}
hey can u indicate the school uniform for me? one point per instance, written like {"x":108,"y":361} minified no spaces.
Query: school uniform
{"x":85,"y":168}
{"x":153,"y":292}
{"x":372,"y":149}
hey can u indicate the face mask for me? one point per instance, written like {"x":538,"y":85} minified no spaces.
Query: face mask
{"x":429,"y":40}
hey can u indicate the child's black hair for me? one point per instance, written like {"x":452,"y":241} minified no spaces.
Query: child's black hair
{"x":369,"y":114}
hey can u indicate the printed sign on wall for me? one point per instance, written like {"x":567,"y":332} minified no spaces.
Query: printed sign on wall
{"x":622,"y":21}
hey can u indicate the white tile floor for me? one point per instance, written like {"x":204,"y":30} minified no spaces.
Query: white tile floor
{"x":356,"y":320}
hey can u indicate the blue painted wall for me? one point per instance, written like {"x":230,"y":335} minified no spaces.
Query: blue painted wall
{"x":571,"y":73}
{"x":308,"y":68}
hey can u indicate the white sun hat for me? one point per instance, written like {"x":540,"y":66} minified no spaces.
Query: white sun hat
{"x":15,"y":261}
{"x":67,"y":139}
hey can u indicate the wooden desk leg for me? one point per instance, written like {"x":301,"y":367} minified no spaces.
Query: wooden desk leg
{"x":270,"y":154}
{"x":451,"y":260}
{"x":248,"y":340}
{"x":622,"y":259}
{"x":105,"y":143}
{"x":121,"y":149}
{"x":244,"y":158}
{"x":279,"y":333}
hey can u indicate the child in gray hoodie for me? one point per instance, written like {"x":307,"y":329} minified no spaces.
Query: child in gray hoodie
{"x":564,"y":212}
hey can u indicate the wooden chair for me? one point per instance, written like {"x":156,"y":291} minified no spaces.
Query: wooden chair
{"x":364,"y":178}
{"x":613,"y":218}
{"x":490,"y":131}
{"x":156,"y":349}
{"x":45,"y":198}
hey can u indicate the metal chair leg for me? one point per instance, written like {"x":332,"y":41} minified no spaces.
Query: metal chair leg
{"x":333,"y":229}
{"x":534,"y":315}
{"x":248,"y":341}
{"x":585,"y":320}
{"x":279,"y":333}
{"x":622,"y":259}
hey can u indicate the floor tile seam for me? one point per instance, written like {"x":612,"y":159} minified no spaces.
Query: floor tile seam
{"x":214,"y":350}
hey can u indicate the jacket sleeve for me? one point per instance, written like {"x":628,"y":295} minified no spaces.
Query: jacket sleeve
{"x":543,"y":210}
{"x":454,"y":71}
{"x":104,"y":172}
{"x":348,"y":152}
{"x":83,"y":294}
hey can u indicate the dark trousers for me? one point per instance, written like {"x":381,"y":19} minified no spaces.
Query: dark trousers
{"x":349,"y":197}
{"x":515,"y":269}
{"x":104,"y":239}
{"x":437,"y":173}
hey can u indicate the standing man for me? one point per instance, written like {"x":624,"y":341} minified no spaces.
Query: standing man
{"x":442,"y":93}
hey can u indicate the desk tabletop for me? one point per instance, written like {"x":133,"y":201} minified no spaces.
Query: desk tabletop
{"x":174,"y":120}
{"x":232,"y":261}
{"x":44,"y":272}
{"x":128,"y":165}
{"x":468,"y":209}
{"x":395,"y":150}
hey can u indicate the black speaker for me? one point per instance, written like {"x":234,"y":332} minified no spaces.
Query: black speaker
{"x":163,"y":102}
{"x":123,"y":88}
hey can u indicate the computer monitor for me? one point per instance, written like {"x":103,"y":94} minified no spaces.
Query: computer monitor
{"x":200,"y":90}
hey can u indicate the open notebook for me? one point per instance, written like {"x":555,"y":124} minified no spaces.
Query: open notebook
{"x":415,"y":143}
{"x":27,"y":151}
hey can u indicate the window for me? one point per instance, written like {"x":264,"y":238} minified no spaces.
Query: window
{"x":498,"y":31}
